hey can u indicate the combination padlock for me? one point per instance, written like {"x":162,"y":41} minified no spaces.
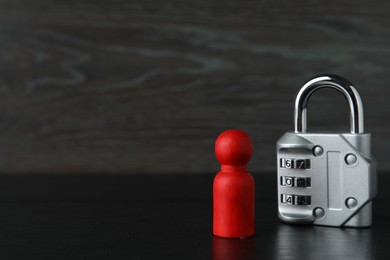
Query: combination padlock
{"x":326,"y":178}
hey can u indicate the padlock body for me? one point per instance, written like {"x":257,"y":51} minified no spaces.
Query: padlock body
{"x":326,"y":179}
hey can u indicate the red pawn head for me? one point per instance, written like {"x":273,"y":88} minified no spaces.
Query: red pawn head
{"x":233,"y":147}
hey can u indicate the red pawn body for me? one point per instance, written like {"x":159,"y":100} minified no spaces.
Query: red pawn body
{"x":234,"y":187}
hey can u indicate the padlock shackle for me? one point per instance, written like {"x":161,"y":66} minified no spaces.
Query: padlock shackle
{"x":339,"y":84}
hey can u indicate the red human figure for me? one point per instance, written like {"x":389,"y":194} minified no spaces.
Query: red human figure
{"x":234,"y":187}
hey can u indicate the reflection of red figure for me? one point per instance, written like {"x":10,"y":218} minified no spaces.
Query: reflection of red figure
{"x":234,"y":187}
{"x":233,"y":249}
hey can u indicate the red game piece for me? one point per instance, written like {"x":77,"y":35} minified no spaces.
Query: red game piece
{"x":234,"y":187}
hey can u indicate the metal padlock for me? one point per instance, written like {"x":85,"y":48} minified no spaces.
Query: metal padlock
{"x":326,"y":178}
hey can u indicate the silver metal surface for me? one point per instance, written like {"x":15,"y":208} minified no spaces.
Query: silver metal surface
{"x":318,"y":151}
{"x":342,"y":171}
{"x":350,"y":159}
{"x":319,"y":212}
{"x":333,"y":181}
{"x":351,"y":203}
{"x":334,"y":82}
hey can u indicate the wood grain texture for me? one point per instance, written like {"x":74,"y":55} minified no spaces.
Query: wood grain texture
{"x":147,"y":86}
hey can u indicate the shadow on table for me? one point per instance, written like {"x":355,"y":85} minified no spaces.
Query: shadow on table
{"x":314,"y":242}
{"x":298,"y":242}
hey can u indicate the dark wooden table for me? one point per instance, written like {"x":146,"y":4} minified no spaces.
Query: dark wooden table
{"x":163,"y":217}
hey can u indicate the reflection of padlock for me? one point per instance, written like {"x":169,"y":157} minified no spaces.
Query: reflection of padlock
{"x":326,"y":178}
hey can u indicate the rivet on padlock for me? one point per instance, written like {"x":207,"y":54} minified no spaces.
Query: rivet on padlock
{"x":326,"y":178}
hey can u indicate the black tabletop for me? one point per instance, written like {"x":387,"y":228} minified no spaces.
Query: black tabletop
{"x":163,"y":217}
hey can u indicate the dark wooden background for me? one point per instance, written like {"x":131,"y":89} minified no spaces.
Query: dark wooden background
{"x":146,"y":86}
